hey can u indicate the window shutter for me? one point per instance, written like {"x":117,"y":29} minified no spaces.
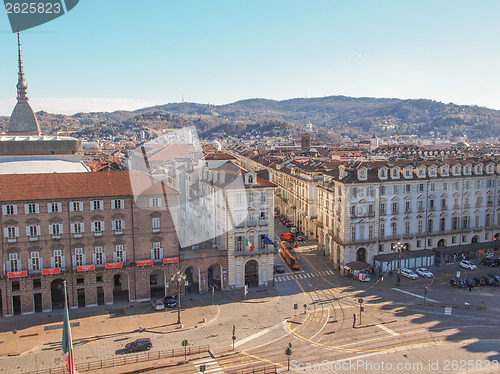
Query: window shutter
{"x":4,"y":209}
{"x":150,"y":204}
{"x":59,"y":207}
{"x":26,"y":210}
{"x":15,"y":209}
{"x":51,"y":229}
{"x":40,"y":261}
{"x":94,"y":258}
{"x":93,"y":226}
{"x":102,"y":225}
{"x":115,"y":257}
{"x":61,"y":231}
{"x":82,"y":226}
{"x":124,"y":256}
{"x":161,"y":253}
{"x":72,"y":228}
{"x":74,"y":261}
{"x":48,"y":208}
{"x":16,"y":230}
{"x":104,"y":257}
{"x":123,"y":224}
{"x":5,"y":232}
{"x":71,"y":206}
{"x":27,"y":231}
{"x":122,"y":202}
{"x":113,"y":225}
{"x":38,"y":230}
{"x":63,"y":263}
{"x":101,"y":204}
{"x":84,"y":259}
{"x":91,"y":205}
{"x":37,"y":208}
{"x":152,"y":253}
{"x":52,"y":262}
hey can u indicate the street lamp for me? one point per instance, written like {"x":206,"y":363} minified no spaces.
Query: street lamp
{"x":179,"y":279}
{"x":399,"y":247}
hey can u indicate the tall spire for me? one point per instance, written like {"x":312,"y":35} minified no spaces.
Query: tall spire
{"x":22,"y":120}
{"x":21,"y":83}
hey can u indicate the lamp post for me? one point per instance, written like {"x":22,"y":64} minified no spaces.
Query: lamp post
{"x":399,"y":247}
{"x":179,"y":280}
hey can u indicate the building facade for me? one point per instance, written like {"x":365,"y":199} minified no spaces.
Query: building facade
{"x":107,"y":240}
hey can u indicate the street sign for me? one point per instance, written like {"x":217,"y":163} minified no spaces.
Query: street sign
{"x":202,"y":368}
{"x":458,"y":274}
{"x":186,"y":283}
{"x":295,"y":306}
{"x":184,"y":343}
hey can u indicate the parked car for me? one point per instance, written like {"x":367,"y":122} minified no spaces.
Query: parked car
{"x":469,"y":282}
{"x":490,"y":281}
{"x":408,"y":273}
{"x":424,"y":272}
{"x":467,"y":265}
{"x":278,"y":268}
{"x":495,"y":277}
{"x":170,"y":301}
{"x":457,"y":282}
{"x":489,"y":262}
{"x":143,"y":344}
{"x":497,"y":260}
{"x":479,"y":281}
{"x":158,"y":304}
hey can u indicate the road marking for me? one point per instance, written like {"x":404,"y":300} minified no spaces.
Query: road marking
{"x":414,"y":295}
{"x":256,"y":335}
{"x":262,"y":359}
{"x":210,"y":363}
{"x":447,"y":310}
{"x":388,"y":330}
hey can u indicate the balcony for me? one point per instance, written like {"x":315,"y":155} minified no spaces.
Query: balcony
{"x":11,"y":240}
{"x":33,"y":238}
{"x":263,"y":222}
{"x":77,"y":236}
{"x":98,"y":233}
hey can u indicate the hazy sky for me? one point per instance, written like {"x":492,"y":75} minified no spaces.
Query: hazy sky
{"x":121,"y":54}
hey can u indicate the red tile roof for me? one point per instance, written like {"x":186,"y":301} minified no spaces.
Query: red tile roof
{"x":24,"y":187}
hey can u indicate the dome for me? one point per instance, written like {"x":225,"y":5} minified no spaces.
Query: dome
{"x":23,"y":120}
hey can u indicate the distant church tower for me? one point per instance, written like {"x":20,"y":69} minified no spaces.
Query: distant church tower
{"x":305,"y":141}
{"x":23,"y":120}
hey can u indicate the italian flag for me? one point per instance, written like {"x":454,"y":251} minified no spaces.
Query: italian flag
{"x":67,"y":342}
{"x":250,"y":245}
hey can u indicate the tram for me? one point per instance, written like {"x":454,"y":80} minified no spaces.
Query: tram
{"x":289,"y":255}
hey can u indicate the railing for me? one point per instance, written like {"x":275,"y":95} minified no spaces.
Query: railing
{"x":128,"y":359}
{"x":258,"y":370}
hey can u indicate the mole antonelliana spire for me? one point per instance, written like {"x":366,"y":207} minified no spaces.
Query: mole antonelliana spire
{"x":23,"y":120}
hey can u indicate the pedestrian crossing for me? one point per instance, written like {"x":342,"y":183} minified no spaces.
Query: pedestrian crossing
{"x":294,"y":276}
{"x":211,"y":365}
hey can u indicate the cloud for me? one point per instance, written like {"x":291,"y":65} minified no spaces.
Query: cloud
{"x":71,"y":106}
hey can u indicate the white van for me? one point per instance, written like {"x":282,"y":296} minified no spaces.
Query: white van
{"x":409,"y":273}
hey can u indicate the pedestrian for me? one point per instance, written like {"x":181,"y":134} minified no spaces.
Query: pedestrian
{"x":470,"y":287}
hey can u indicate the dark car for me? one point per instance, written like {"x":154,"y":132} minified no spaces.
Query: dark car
{"x":495,"y":277}
{"x":278,"y":268}
{"x":457,"y":282}
{"x":170,"y":301}
{"x":490,"y":281}
{"x":497,"y":260}
{"x":143,"y":344}
{"x":489,"y":262}
{"x":479,"y":281}
{"x":469,"y":282}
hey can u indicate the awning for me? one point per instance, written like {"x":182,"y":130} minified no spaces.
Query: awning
{"x":357,"y":265}
{"x":404,"y":254}
{"x":468,"y":247}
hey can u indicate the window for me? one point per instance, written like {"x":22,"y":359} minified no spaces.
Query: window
{"x":118,"y":226}
{"x":476,"y":221}
{"x":263,"y":216}
{"x":9,"y":209}
{"x":157,"y":251}
{"x":420,"y":226}
{"x":238,"y":243}
{"x":37,"y":284}
{"x":262,"y":244}
{"x":430,"y":225}
{"x":408,"y":173}
{"x":57,"y":260}
{"x":395,"y":208}
{"x":382,"y":229}
{"x":99,"y":256}
{"x":56,"y":230}
{"x":407,"y":206}
{"x":118,"y":204}
{"x":262,"y":197}
{"x":419,"y":243}
{"x":98,"y":278}
{"x":13,"y":264}
{"x":76,"y":206}
{"x":420,"y":205}
{"x":382,"y":173}
{"x":370,"y":232}
{"x":54,"y":207}
{"x":155,"y":202}
{"x":395,"y":189}
{"x":33,"y":232}
{"x":97,"y":227}
{"x":395,"y":173}
{"x":429,"y":242}
{"x":35,"y":262}
{"x":466,"y":223}
{"x":467,"y":185}
{"x":407,"y":188}
{"x":407,"y":227}
{"x":31,"y":208}
{"x":16,"y":286}
{"x":381,"y":248}
{"x":433,"y":186}
{"x":80,"y":281}
{"x":454,"y":223}
{"x":96,"y":205}
{"x":11,"y":233}
{"x":382,"y":208}
{"x":353,"y":233}
{"x":354,"y":192}
{"x":421,"y":187}
{"x":453,"y":239}
{"x":443,"y":203}
{"x":442,"y":224}
{"x":353,"y":211}
{"x":370,"y":209}
{"x":382,"y":190}
{"x":79,"y":257}
{"x":119,"y":255}
{"x":238,"y":198}
{"x":250,"y":197}
{"x":156,"y":224}
{"x":431,"y":204}
{"x":487,"y":220}
{"x":445,"y":186}
{"x":77,"y":228}
{"x":394,"y":228}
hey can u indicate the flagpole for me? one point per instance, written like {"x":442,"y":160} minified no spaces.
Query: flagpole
{"x":70,"y":339}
